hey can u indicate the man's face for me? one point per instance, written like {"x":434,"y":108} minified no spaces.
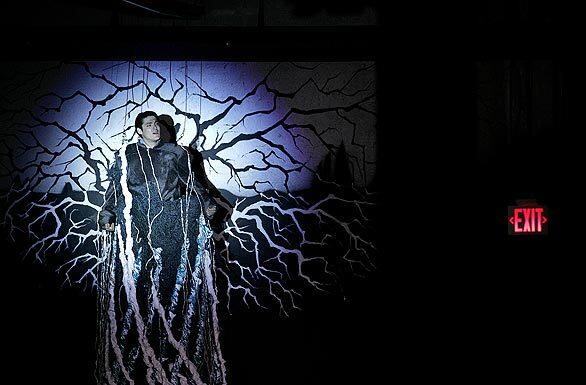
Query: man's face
{"x":150,"y":130}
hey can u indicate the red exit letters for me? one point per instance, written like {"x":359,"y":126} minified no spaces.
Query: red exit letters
{"x":527,"y":220}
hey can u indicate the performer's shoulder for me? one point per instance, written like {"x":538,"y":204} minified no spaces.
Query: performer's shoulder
{"x":175,"y":149}
{"x":130,"y":148}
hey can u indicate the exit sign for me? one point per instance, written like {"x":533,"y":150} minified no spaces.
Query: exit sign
{"x":527,"y":217}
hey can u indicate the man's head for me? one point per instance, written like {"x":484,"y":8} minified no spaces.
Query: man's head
{"x":147,"y":126}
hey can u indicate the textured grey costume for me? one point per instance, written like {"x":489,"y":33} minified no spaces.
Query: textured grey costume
{"x":157,"y":300}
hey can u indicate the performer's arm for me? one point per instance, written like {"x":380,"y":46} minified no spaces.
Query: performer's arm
{"x":185,"y":165}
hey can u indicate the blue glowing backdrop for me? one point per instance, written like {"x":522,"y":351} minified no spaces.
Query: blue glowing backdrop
{"x":288,"y":147}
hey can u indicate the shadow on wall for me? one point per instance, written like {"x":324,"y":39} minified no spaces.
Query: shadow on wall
{"x":223,"y":207}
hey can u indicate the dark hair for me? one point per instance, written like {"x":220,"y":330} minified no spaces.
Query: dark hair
{"x":141,"y":116}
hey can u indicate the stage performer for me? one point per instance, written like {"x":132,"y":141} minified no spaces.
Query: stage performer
{"x":157,"y":319}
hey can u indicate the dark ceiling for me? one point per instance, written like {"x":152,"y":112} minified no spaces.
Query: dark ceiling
{"x":193,"y":13}
{"x":299,"y":13}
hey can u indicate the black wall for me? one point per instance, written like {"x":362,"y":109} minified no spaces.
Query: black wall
{"x":462,"y":301}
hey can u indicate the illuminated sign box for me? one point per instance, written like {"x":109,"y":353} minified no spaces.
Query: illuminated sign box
{"x":527,"y":217}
